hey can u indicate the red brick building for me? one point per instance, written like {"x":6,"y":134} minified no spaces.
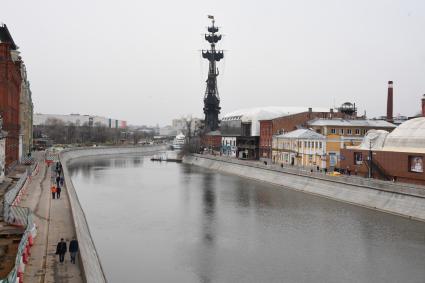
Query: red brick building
{"x":10,"y":87}
{"x":212,"y":141}
{"x":399,"y":156}
{"x":288,"y":123}
{"x":266,"y":137}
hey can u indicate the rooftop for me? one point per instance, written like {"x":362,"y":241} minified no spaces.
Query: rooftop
{"x":268,"y":112}
{"x":302,"y":134}
{"x":6,"y":37}
{"x":338,"y":122}
{"x":408,"y":137}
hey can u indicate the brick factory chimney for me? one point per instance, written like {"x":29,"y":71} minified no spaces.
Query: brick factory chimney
{"x":390,"y":102}
{"x":423,"y":106}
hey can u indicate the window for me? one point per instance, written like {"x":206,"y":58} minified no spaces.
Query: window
{"x":416,"y":164}
{"x":309,"y":145}
{"x":357,"y":131}
{"x":333,"y":131}
{"x":349,"y":132}
{"x":305,"y":144}
{"x":320,"y":145}
{"x":358,"y":158}
{"x":341,"y":131}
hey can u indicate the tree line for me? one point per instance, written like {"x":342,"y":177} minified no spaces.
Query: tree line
{"x":70,"y":133}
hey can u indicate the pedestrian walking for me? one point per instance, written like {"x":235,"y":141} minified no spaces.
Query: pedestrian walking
{"x":73,"y":249}
{"x":62,"y":180}
{"x":58,"y":192}
{"x":53,"y":190}
{"x":58,"y":179}
{"x":61,"y":250}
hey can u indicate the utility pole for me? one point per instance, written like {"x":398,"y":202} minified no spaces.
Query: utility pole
{"x":370,"y":159}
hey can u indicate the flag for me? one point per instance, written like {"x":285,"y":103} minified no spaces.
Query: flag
{"x":210,"y":17}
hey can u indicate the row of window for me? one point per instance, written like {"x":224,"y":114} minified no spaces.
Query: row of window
{"x":348,"y":131}
{"x":231,"y":143}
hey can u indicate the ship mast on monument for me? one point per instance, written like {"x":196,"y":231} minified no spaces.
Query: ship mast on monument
{"x":211,"y":98}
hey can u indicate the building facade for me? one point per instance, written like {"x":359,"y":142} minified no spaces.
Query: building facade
{"x":26,"y":108}
{"x":341,"y":133}
{"x":289,"y":122}
{"x":211,"y":142}
{"x":10,"y":88}
{"x":301,"y":147}
{"x":397,"y":156}
{"x":228,"y":146}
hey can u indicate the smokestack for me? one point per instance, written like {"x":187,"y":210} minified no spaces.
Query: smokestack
{"x":423,"y":106}
{"x":390,"y":102}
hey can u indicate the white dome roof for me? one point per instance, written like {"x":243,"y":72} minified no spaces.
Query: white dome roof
{"x":408,"y":137}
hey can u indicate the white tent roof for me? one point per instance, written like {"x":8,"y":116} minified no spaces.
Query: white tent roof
{"x":374,"y":139}
{"x":408,"y":137}
{"x":254,"y":115}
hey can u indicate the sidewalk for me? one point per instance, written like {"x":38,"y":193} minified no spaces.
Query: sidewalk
{"x":54,"y":221}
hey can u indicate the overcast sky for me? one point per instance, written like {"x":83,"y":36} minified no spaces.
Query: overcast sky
{"x":140,"y":61}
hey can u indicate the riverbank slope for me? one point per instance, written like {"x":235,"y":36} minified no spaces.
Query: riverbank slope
{"x":399,"y":199}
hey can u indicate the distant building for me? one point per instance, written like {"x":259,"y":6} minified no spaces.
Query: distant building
{"x":294,"y":118}
{"x":180,"y":125}
{"x":212,"y":141}
{"x":302,"y":147}
{"x":397,"y":156}
{"x":26,"y":108}
{"x":341,"y":133}
{"x":168,"y":131}
{"x":79,"y":120}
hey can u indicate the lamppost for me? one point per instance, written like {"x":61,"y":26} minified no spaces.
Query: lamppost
{"x":370,"y":159}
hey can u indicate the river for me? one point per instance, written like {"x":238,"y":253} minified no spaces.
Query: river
{"x":169,"y":222}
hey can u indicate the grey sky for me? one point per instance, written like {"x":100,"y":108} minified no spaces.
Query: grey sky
{"x":140,"y":61}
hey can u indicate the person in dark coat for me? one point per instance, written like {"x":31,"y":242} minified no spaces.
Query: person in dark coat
{"x":58,"y":179}
{"x":58,"y":192}
{"x":73,"y":249}
{"x":61,"y":250}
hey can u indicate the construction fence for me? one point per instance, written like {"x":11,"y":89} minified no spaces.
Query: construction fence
{"x":14,"y":214}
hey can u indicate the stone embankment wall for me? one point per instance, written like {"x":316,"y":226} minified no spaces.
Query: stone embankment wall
{"x":90,"y":262}
{"x":400,"y":199}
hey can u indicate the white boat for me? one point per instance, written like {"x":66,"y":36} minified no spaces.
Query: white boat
{"x":178,"y":142}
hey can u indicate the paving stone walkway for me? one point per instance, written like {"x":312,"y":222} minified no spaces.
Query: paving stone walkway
{"x":54,"y":221}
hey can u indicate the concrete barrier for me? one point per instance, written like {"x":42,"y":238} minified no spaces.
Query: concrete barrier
{"x":410,"y":206}
{"x":90,"y":262}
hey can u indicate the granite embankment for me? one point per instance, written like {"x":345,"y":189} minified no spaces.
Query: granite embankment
{"x":401,"y":199}
{"x":90,"y":263}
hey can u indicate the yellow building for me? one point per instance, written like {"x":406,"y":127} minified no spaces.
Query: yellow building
{"x":341,"y":133}
{"x":301,"y":147}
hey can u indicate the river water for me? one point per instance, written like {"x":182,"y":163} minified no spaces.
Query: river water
{"x":168,"y":222}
